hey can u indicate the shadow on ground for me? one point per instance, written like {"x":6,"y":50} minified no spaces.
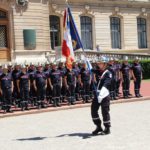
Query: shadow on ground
{"x":82,"y":135}
{"x":32,"y":139}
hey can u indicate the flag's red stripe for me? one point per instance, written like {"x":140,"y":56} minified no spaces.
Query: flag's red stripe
{"x":65,"y":49}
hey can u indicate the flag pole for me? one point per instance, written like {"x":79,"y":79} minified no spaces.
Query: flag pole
{"x":83,"y":50}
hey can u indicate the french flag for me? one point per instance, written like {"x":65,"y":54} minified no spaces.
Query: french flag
{"x":67,"y":47}
{"x":71,"y":41}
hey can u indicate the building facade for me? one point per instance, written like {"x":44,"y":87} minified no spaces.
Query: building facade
{"x":31,"y":29}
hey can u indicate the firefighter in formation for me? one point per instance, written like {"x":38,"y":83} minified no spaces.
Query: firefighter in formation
{"x":53,"y":84}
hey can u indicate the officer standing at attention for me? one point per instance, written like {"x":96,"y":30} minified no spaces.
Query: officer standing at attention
{"x":70,"y":82}
{"x":118,"y":76}
{"x":125,"y":77}
{"x":23,"y":84}
{"x":112,"y":69}
{"x":32,"y":92}
{"x":137,"y":76}
{"x":76,"y":69}
{"x":15,"y":76}
{"x":85,"y":82}
{"x":102,"y":98}
{"x":6,"y":88}
{"x":40,"y":84}
{"x":56,"y":84}
{"x":47,"y":74}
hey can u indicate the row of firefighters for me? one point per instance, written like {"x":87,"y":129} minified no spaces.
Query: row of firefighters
{"x":40,"y":85}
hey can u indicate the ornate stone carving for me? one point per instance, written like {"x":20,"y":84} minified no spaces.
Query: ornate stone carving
{"x":21,"y":5}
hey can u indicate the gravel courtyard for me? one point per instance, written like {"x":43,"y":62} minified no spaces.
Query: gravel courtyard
{"x":71,"y":130}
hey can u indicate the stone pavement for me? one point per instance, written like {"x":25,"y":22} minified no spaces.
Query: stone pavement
{"x":71,"y":130}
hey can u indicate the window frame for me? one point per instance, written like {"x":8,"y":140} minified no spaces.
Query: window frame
{"x":116,"y":26}
{"x":140,"y":42}
{"x":91,"y":30}
{"x":59,"y":31}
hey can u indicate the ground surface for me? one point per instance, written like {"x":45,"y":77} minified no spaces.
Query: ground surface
{"x":71,"y":130}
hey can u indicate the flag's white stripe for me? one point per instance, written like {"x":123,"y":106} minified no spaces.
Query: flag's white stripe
{"x":67,"y":37}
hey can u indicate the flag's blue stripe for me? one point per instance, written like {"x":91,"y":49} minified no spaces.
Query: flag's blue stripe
{"x":74,"y":32}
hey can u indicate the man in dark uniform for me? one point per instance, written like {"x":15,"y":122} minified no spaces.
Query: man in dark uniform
{"x":112,"y":69}
{"x":62,"y":69}
{"x":125,"y":77}
{"x":85,"y":81}
{"x":15,"y":76}
{"x":76,"y":69}
{"x":102,"y":98}
{"x":47,"y":71}
{"x":32,"y":92}
{"x":56,"y":84}
{"x":6,"y":88}
{"x":137,"y":76}
{"x":118,"y":76}
{"x":40,"y":84}
{"x":70,"y":82}
{"x":23,"y":84}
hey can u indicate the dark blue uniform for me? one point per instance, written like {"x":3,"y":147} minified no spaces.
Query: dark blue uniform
{"x":63,"y":88}
{"x":118,"y":78}
{"x":6,"y":86}
{"x":48,"y":89}
{"x":112,"y":69}
{"x":32,"y":91}
{"x":137,"y":71}
{"x":71,"y":82}
{"x":56,"y":77}
{"x":85,"y":79}
{"x":78,"y":87}
{"x":24,"y":89}
{"x":15,"y":76}
{"x":105,"y":81}
{"x":125,"y":69}
{"x":40,"y":80}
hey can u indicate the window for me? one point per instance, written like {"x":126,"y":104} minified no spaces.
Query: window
{"x":55,"y":31}
{"x":142,"y":33}
{"x":3,"y":15}
{"x":3,"y":29}
{"x":115,"y":32}
{"x":86,"y":32}
{"x":3,"y":36}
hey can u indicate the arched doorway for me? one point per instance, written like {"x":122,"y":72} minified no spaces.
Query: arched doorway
{"x":4,"y":36}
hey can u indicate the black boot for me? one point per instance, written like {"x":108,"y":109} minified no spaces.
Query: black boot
{"x":106,"y":131}
{"x":58,"y":102}
{"x":9,"y":109}
{"x":97,"y":130}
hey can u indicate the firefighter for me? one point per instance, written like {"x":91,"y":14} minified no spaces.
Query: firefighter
{"x":70,"y":82}
{"x":102,"y":98}
{"x":76,"y":69}
{"x":15,"y":75}
{"x":56,"y":85}
{"x":85,"y":82}
{"x":62,"y":69}
{"x":32,"y":92}
{"x":118,"y":76}
{"x":47,"y":71}
{"x":137,"y":76}
{"x":23,"y":84}
{"x":40,"y":85}
{"x":125,"y":77}
{"x":112,"y":69}
{"x":6,"y":88}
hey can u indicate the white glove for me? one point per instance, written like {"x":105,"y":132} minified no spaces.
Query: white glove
{"x":104,"y":92}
